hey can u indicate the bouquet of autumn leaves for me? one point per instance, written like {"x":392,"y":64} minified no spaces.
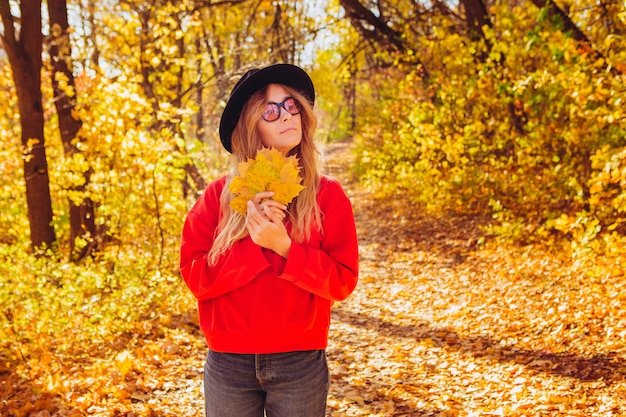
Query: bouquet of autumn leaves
{"x":269,"y":171}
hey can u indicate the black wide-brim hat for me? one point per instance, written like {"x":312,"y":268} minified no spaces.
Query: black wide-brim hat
{"x":254,"y":80}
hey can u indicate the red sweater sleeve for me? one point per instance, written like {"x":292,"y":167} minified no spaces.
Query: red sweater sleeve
{"x":328,"y":269}
{"x":235,"y":269}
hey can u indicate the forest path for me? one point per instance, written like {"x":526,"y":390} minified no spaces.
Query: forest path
{"x":440,"y":325}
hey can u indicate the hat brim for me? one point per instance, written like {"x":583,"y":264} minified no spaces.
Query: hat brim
{"x":251,"y":82}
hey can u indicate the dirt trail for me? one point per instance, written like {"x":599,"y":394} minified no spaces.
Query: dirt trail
{"x":442,"y":326}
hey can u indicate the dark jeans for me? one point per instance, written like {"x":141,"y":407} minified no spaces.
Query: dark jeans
{"x":293,"y":384}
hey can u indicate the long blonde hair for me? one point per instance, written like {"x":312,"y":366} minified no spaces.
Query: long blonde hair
{"x":303,"y":212}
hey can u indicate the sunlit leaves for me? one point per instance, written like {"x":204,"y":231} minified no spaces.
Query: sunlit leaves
{"x":13,"y":221}
{"x":135,"y":171}
{"x":526,"y":135}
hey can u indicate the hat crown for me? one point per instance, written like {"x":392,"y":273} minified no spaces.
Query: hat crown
{"x":243,"y":79}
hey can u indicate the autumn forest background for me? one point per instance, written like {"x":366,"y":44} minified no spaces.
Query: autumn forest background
{"x":482,"y":142}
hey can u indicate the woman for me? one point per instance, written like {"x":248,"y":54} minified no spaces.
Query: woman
{"x":266,"y":281}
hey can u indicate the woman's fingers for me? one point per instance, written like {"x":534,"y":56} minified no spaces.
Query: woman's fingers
{"x":271,"y":213}
{"x":254,"y":215}
{"x":274,"y":212}
{"x":264,"y":198}
{"x":267,"y":229}
{"x":263,"y":195}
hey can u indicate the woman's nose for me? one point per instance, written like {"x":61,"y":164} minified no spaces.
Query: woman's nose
{"x":284,"y":114}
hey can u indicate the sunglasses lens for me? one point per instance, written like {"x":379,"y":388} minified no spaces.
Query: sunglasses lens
{"x":292,"y":106}
{"x":272,"y":112}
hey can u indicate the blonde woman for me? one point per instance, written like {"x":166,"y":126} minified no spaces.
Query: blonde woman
{"x":266,"y":281}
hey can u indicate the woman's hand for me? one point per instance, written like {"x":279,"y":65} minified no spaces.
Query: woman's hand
{"x":264,"y":221}
{"x":271,"y":208}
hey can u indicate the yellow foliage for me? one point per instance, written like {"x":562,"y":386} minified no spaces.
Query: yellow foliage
{"x":269,"y":171}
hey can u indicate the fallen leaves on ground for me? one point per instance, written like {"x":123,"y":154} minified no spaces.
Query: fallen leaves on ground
{"x":439,"y":325}
{"x":443,"y":326}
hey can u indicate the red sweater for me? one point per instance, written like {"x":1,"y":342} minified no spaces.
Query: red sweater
{"x":255,"y":301}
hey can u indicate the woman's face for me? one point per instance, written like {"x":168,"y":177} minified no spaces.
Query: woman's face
{"x":284,"y":133}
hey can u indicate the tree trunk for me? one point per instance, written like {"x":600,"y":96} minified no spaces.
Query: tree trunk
{"x":477,"y":17}
{"x":23,"y":49}
{"x":82,"y":216}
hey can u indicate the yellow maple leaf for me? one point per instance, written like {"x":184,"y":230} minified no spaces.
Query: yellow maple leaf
{"x":269,"y":171}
